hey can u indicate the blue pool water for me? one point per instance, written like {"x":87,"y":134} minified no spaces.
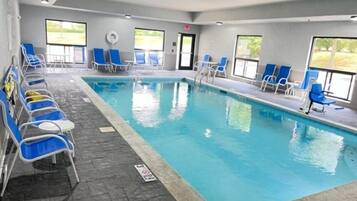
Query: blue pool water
{"x":231,"y":148}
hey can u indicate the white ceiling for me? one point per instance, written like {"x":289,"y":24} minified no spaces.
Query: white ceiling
{"x":198,"y":5}
{"x":184,"y":5}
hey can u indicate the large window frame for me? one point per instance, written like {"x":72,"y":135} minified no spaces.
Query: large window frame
{"x":245,"y":60}
{"x":66,"y":46}
{"x":147,"y":51}
{"x":329,"y":73}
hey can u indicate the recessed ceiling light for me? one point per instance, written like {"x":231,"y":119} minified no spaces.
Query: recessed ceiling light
{"x":219,"y":23}
{"x":354,"y":18}
{"x":45,"y":2}
{"x":127,"y":16}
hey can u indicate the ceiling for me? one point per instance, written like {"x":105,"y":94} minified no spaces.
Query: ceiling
{"x":184,"y":5}
{"x":199,"y":5}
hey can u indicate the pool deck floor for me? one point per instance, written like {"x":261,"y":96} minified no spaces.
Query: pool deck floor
{"x":105,"y":161}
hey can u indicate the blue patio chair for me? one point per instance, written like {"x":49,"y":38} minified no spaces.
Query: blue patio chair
{"x":139,"y":57}
{"x":269,"y":71}
{"x":115,"y":60}
{"x":32,"y":149}
{"x":202,"y":63}
{"x":317,"y":95}
{"x":280,"y":80}
{"x":32,"y":61}
{"x":303,"y":85}
{"x":99,"y":60}
{"x":30,"y":80}
{"x":154,"y":58}
{"x":220,"y":68}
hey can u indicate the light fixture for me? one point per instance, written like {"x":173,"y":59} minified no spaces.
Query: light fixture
{"x":45,"y":2}
{"x":127,"y":16}
{"x":219,"y":23}
{"x":354,"y":18}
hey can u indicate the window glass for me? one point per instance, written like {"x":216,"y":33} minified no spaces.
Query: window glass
{"x":248,"y":50}
{"x":249,"y":47}
{"x":66,"y":33}
{"x":146,"y":39}
{"x":335,"y":54}
{"x":336,"y":60}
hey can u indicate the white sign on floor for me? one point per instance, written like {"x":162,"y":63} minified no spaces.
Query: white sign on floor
{"x":145,"y":173}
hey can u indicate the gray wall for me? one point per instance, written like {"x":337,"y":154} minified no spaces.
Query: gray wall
{"x":9,"y":32}
{"x":283,"y":43}
{"x":33,"y":29}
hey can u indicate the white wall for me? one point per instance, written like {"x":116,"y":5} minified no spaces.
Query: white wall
{"x":9,"y":32}
{"x":283,"y":43}
{"x":33,"y":29}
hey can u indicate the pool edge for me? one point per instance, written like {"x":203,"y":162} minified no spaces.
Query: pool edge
{"x":174,"y":183}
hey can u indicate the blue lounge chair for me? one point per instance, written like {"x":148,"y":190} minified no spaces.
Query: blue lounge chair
{"x":280,"y":80}
{"x":115,"y":61}
{"x":32,"y":61}
{"x":269,"y":71}
{"x":32,"y":149}
{"x":154,"y":58}
{"x":310,"y":75}
{"x":99,"y":60}
{"x":202,"y":63}
{"x":139,"y":57}
{"x":220,"y":68}
{"x":317,"y":95}
{"x":29,"y":80}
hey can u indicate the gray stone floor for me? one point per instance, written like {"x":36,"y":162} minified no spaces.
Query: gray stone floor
{"x":105,"y":162}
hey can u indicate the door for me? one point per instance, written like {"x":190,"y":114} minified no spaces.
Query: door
{"x":187,"y":48}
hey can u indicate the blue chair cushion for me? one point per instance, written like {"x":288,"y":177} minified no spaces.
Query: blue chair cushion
{"x":40,"y":104}
{"x":54,"y":115}
{"x":39,"y":148}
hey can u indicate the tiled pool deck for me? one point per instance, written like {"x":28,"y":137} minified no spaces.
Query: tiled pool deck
{"x":105,"y":160}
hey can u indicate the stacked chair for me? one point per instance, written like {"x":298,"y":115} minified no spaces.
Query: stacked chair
{"x":40,"y":107}
{"x":281,"y":80}
{"x":32,"y":61}
{"x":115,"y":62}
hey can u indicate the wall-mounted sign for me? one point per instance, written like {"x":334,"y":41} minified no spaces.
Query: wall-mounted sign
{"x":186,"y":27}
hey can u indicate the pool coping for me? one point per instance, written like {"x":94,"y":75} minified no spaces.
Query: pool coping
{"x":175,"y":184}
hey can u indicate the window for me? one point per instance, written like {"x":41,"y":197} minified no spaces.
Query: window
{"x":336,"y":59}
{"x":247,"y":56}
{"x":149,"y":40}
{"x":66,"y":41}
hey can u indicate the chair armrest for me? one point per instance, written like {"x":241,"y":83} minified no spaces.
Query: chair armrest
{"x":29,"y":139}
{"x":38,"y":96}
{"x":328,"y":92}
{"x":47,"y":99}
{"x":48,"y":108}
{"x":270,"y":78}
{"x":281,"y":80}
{"x":41,"y":90}
{"x":39,"y":122}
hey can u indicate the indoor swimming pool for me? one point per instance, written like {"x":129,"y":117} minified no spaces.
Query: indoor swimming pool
{"x":228,"y":147}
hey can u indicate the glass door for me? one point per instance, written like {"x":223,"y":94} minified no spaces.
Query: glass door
{"x":187,"y":47}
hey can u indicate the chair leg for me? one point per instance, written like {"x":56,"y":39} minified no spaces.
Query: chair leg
{"x":8,"y":174}
{"x":276,"y":89}
{"x":74,"y":167}
{"x":71,"y":134}
{"x":308,"y":110}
